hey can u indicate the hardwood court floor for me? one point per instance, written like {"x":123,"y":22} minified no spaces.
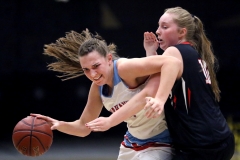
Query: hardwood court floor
{"x":73,"y":148}
{"x":69,"y":148}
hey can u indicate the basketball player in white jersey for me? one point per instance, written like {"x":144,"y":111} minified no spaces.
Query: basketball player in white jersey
{"x":116,"y":82}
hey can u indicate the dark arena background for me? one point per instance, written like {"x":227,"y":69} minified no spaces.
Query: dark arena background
{"x":26,"y":86}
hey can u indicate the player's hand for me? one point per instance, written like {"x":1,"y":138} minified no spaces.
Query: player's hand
{"x":52,"y":122}
{"x":99,"y":124}
{"x":153,"y":107}
{"x":150,"y":43}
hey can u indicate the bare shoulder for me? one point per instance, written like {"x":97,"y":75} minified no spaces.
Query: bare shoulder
{"x":122,"y":65}
{"x":121,"y":62}
{"x":173,"y":51}
{"x":130,"y":71}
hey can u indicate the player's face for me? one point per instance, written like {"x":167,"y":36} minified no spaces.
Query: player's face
{"x":97,"y":68}
{"x":168,"y":31}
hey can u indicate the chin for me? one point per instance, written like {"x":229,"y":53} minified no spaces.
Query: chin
{"x":163,"y":48}
{"x":99,"y":83}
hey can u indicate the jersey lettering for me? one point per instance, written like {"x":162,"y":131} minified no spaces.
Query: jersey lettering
{"x":116,"y":107}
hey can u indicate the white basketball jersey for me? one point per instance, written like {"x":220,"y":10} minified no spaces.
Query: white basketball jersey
{"x":138,"y":125}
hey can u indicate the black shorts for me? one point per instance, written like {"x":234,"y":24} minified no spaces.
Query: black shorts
{"x":221,"y":151}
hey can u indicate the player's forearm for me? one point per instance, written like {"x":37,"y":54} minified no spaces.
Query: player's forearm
{"x":129,"y":109}
{"x":74,"y":128}
{"x":169,"y":74}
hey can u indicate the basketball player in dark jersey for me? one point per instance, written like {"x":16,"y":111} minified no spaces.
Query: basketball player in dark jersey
{"x":196,"y":124}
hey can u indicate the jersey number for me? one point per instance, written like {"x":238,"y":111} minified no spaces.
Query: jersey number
{"x":205,"y":71}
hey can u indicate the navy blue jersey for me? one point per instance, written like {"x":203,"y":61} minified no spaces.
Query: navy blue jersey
{"x":193,"y":116}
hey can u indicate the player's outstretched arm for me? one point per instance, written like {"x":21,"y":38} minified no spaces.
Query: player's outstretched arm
{"x":78,"y":127}
{"x":72,"y":128}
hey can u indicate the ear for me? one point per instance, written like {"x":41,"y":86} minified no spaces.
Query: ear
{"x":109,"y":58}
{"x":182,"y":32}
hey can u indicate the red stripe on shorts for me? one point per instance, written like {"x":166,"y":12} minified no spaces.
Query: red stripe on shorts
{"x":147,"y":145}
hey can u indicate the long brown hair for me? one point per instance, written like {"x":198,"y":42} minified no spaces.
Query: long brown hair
{"x":197,"y":37}
{"x":66,"y":52}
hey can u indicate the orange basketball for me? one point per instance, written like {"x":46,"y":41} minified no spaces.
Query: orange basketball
{"x":32,"y":136}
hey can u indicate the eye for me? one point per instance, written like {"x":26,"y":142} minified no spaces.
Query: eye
{"x":95,"y":65}
{"x":85,"y":70}
{"x":164,"y":27}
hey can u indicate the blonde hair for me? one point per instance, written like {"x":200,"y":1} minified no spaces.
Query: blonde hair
{"x":66,"y":51}
{"x":197,"y":37}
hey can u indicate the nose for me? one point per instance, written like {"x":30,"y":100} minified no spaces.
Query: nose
{"x":93,"y":73}
{"x":158,"y":31}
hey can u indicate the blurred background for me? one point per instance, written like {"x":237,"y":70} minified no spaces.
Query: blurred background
{"x":26,"y":86}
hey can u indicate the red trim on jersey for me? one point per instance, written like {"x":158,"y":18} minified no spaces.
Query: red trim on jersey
{"x":147,"y":145}
{"x":189,"y":97}
{"x":186,"y":43}
{"x":174,"y":101}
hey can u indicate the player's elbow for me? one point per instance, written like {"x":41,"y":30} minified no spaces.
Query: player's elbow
{"x":79,"y":129}
{"x":83,"y":133}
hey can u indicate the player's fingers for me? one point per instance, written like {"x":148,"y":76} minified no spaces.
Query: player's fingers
{"x":94,"y":122}
{"x":46,"y":118}
{"x":147,"y":36}
{"x":53,"y":127}
{"x":155,"y":108}
{"x":154,"y":37}
{"x":149,"y":112}
{"x":148,"y":104}
{"x":148,"y":107}
{"x":34,"y":114}
{"x":151,"y":109}
{"x":90,"y":123}
{"x":152,"y":34}
{"x":146,"y":33}
{"x":38,"y":115}
{"x":95,"y":128}
{"x":160,"y":111}
{"x":155,"y":115}
{"x":94,"y":125}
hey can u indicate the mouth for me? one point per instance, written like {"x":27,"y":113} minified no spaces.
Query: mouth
{"x":95,"y":79}
{"x":159,"y":39}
